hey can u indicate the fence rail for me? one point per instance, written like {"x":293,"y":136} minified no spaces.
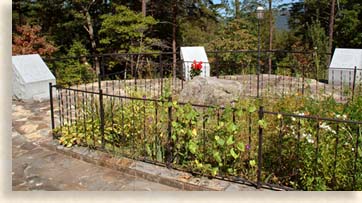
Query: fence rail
{"x":297,"y":152}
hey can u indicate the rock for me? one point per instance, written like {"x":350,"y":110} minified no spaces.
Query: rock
{"x":33,"y":136}
{"x":28,"y":128}
{"x":19,"y":112}
{"x":210,"y":91}
{"x":233,"y":187}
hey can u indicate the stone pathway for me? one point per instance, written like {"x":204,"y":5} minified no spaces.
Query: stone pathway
{"x":32,"y":120}
{"x":37,"y":168}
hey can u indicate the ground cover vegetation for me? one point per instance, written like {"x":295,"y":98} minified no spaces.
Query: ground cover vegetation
{"x":298,"y":152}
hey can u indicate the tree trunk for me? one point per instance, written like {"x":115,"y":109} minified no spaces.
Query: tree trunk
{"x":270,"y":35}
{"x":237,"y":9}
{"x":20,"y":14}
{"x":331,"y":24}
{"x":144,"y":7}
{"x":174,"y":26}
{"x":90,"y":31}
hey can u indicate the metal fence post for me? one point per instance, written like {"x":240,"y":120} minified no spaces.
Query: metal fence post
{"x":260,"y":143}
{"x":217,"y":65}
{"x":303,"y":77}
{"x":51,"y":108}
{"x":258,"y":67}
{"x":355,"y":159}
{"x":161,"y":66}
{"x":354,"y":81}
{"x":182,"y":73}
{"x":169,"y":147}
{"x":101,"y":114}
{"x":102,"y":64}
{"x":135,"y":73}
{"x":99,"y":81}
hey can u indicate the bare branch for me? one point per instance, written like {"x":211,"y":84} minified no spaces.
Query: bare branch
{"x":85,"y":27}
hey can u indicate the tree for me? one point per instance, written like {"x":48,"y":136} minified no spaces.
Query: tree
{"x":75,"y":69}
{"x":270,"y":17}
{"x":310,"y":65}
{"x":176,"y":19}
{"x":85,"y":8}
{"x":198,"y":32}
{"x":331,"y":25}
{"x":342,"y":26}
{"x":18,"y":13}
{"x":235,"y":35}
{"x":348,"y":24}
{"x":174,"y":29}
{"x":28,"y":41}
{"x":144,"y":11}
{"x":125,"y":31}
{"x":318,"y":41}
{"x":305,"y":13}
{"x":237,"y":8}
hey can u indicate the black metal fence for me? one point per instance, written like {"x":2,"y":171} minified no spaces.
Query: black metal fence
{"x":240,"y":143}
{"x":148,"y":72}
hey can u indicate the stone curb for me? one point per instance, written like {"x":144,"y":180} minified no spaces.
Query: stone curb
{"x":170,"y":177}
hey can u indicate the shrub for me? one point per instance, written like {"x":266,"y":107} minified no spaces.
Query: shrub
{"x":306,"y":153}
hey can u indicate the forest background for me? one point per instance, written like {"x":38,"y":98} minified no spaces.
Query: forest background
{"x":70,"y":28}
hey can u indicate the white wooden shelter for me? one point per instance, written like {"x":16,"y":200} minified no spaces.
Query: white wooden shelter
{"x":31,"y":77}
{"x":188,"y":55}
{"x":341,"y":69}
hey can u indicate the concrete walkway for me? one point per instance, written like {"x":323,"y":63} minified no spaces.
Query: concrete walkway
{"x":37,"y":168}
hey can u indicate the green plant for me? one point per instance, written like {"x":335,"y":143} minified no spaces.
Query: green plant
{"x":74,"y":69}
{"x":303,"y":153}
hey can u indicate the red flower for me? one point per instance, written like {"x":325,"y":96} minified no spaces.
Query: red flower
{"x":194,"y":64}
{"x":197,"y":66}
